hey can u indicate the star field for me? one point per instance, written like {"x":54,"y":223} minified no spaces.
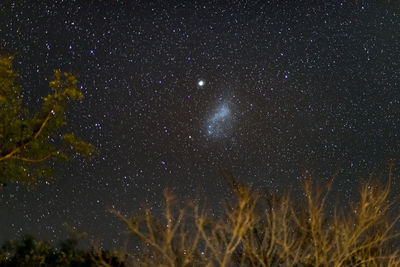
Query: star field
{"x":173,"y":91}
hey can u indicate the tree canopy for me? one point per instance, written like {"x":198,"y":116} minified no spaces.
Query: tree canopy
{"x":32,"y":252}
{"x":31,"y":140}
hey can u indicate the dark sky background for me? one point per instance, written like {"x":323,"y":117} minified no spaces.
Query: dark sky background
{"x":175,"y":89}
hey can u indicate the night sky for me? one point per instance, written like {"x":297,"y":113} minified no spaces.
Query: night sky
{"x":174,"y":90}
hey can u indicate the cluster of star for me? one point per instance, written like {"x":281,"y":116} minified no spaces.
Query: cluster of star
{"x":220,"y":122}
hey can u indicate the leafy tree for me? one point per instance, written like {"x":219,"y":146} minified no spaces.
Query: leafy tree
{"x":29,"y":141}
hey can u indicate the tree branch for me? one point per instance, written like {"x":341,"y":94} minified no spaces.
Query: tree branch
{"x":32,"y":160}
{"x":26,"y":142}
{"x":43,"y":124}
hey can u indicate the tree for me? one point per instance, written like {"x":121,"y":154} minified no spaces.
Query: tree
{"x":31,"y":141}
{"x":260,"y":228}
{"x":32,"y":252}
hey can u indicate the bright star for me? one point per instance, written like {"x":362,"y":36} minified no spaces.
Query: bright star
{"x":201,"y":83}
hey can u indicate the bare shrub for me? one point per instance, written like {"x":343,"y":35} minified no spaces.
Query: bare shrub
{"x":270,"y":230}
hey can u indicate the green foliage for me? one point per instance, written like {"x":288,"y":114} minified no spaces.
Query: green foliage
{"x":78,"y":145}
{"x":31,"y":252}
{"x":30,"y":141}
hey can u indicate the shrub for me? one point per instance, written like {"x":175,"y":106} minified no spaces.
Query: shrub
{"x":270,"y":230}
